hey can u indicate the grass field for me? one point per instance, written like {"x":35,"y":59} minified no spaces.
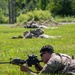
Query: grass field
{"x":20,"y":48}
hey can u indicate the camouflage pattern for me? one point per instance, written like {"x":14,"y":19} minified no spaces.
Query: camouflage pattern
{"x":37,"y":31}
{"x":34,"y":25}
{"x":31,"y":26}
{"x":58,"y":63}
{"x":29,"y":35}
{"x":44,"y":36}
{"x":33,"y":33}
{"x":47,"y":36}
{"x":71,"y":68}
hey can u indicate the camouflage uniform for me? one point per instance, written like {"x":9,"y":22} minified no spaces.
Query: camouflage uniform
{"x":29,"y":35}
{"x":46,"y":36}
{"x":37,"y":32}
{"x":58,"y":63}
{"x":33,"y":33}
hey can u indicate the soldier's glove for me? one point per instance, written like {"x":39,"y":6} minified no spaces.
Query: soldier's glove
{"x":38,"y":67}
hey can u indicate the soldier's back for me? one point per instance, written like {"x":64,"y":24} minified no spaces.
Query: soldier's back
{"x":58,"y":63}
{"x":29,"y":35}
{"x":37,"y":32}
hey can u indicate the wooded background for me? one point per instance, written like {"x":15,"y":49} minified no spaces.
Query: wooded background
{"x":55,"y":7}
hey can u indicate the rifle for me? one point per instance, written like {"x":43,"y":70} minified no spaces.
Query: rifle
{"x":32,"y":60}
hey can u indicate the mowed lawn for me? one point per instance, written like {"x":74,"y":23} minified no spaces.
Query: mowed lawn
{"x":21,"y":48}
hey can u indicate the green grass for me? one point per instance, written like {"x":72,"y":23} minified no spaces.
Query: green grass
{"x":64,"y":19}
{"x":12,"y":48}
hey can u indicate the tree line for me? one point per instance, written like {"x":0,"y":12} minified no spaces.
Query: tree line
{"x":56,"y":7}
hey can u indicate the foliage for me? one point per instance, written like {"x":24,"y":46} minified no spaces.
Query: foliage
{"x":56,"y":7}
{"x":61,"y":7}
{"x":3,"y":19}
{"x":38,"y":15}
{"x":64,"y":19}
{"x":44,"y":4}
{"x":20,"y":48}
{"x":3,"y":11}
{"x":73,"y":7}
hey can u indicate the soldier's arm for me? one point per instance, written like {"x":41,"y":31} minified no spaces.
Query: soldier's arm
{"x":38,"y":67}
{"x":26,"y":69}
{"x":51,"y":66}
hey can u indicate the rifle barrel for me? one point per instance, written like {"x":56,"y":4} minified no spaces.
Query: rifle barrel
{"x":5,"y":62}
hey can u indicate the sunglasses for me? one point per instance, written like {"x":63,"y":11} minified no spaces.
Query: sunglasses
{"x":42,"y":54}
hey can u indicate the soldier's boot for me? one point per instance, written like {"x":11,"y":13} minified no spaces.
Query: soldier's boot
{"x":20,"y":36}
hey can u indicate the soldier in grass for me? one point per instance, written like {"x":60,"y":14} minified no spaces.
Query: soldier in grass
{"x":55,"y":63}
{"x":33,"y":33}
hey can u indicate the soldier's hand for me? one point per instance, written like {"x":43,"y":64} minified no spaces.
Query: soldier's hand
{"x":24,"y":68}
{"x":38,"y":67}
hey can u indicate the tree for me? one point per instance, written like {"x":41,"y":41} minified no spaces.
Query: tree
{"x":3,"y":11}
{"x":62,"y":7}
{"x":73,"y":7}
{"x":4,"y":6}
{"x":44,"y":4}
{"x":66,"y":7}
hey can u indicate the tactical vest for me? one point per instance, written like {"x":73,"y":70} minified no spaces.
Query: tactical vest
{"x":66,"y":67}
